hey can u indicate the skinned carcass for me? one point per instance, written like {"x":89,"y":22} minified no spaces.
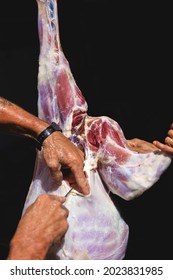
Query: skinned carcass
{"x":96,"y":228}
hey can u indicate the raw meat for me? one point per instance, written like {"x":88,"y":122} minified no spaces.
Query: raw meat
{"x":96,"y":228}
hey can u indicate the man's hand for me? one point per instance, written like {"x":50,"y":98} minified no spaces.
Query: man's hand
{"x":44,"y":222}
{"x":59,"y":152}
{"x":141,"y":146}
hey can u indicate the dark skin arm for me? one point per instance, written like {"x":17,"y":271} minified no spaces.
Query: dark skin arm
{"x":58,"y":150}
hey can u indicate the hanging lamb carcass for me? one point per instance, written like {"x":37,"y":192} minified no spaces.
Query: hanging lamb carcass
{"x":96,"y":228}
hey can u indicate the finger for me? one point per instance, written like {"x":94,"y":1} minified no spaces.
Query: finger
{"x":64,"y":210}
{"x":170,"y":133}
{"x":163,"y":147}
{"x":169,"y":141}
{"x":60,"y":199}
{"x":157,"y":143}
{"x":81,"y":181}
{"x":57,"y":176}
{"x":55,"y":170}
{"x":168,"y":149}
{"x":57,"y":202}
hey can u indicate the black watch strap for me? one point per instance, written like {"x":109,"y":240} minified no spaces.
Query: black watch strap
{"x":45,"y":133}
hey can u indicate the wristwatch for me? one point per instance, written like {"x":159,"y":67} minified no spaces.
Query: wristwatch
{"x":45,"y":133}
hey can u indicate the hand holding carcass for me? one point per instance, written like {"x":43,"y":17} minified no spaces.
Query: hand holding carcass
{"x":44,"y":222}
{"x":141,"y":146}
{"x":58,"y":150}
{"x":60,"y":153}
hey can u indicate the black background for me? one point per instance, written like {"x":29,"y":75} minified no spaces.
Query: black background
{"x":121,"y":58}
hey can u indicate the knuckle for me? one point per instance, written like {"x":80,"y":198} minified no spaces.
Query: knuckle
{"x":53,"y":165}
{"x":64,"y":213}
{"x":43,"y":197}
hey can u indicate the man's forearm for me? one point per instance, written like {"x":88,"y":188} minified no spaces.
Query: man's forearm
{"x":15,"y":120}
